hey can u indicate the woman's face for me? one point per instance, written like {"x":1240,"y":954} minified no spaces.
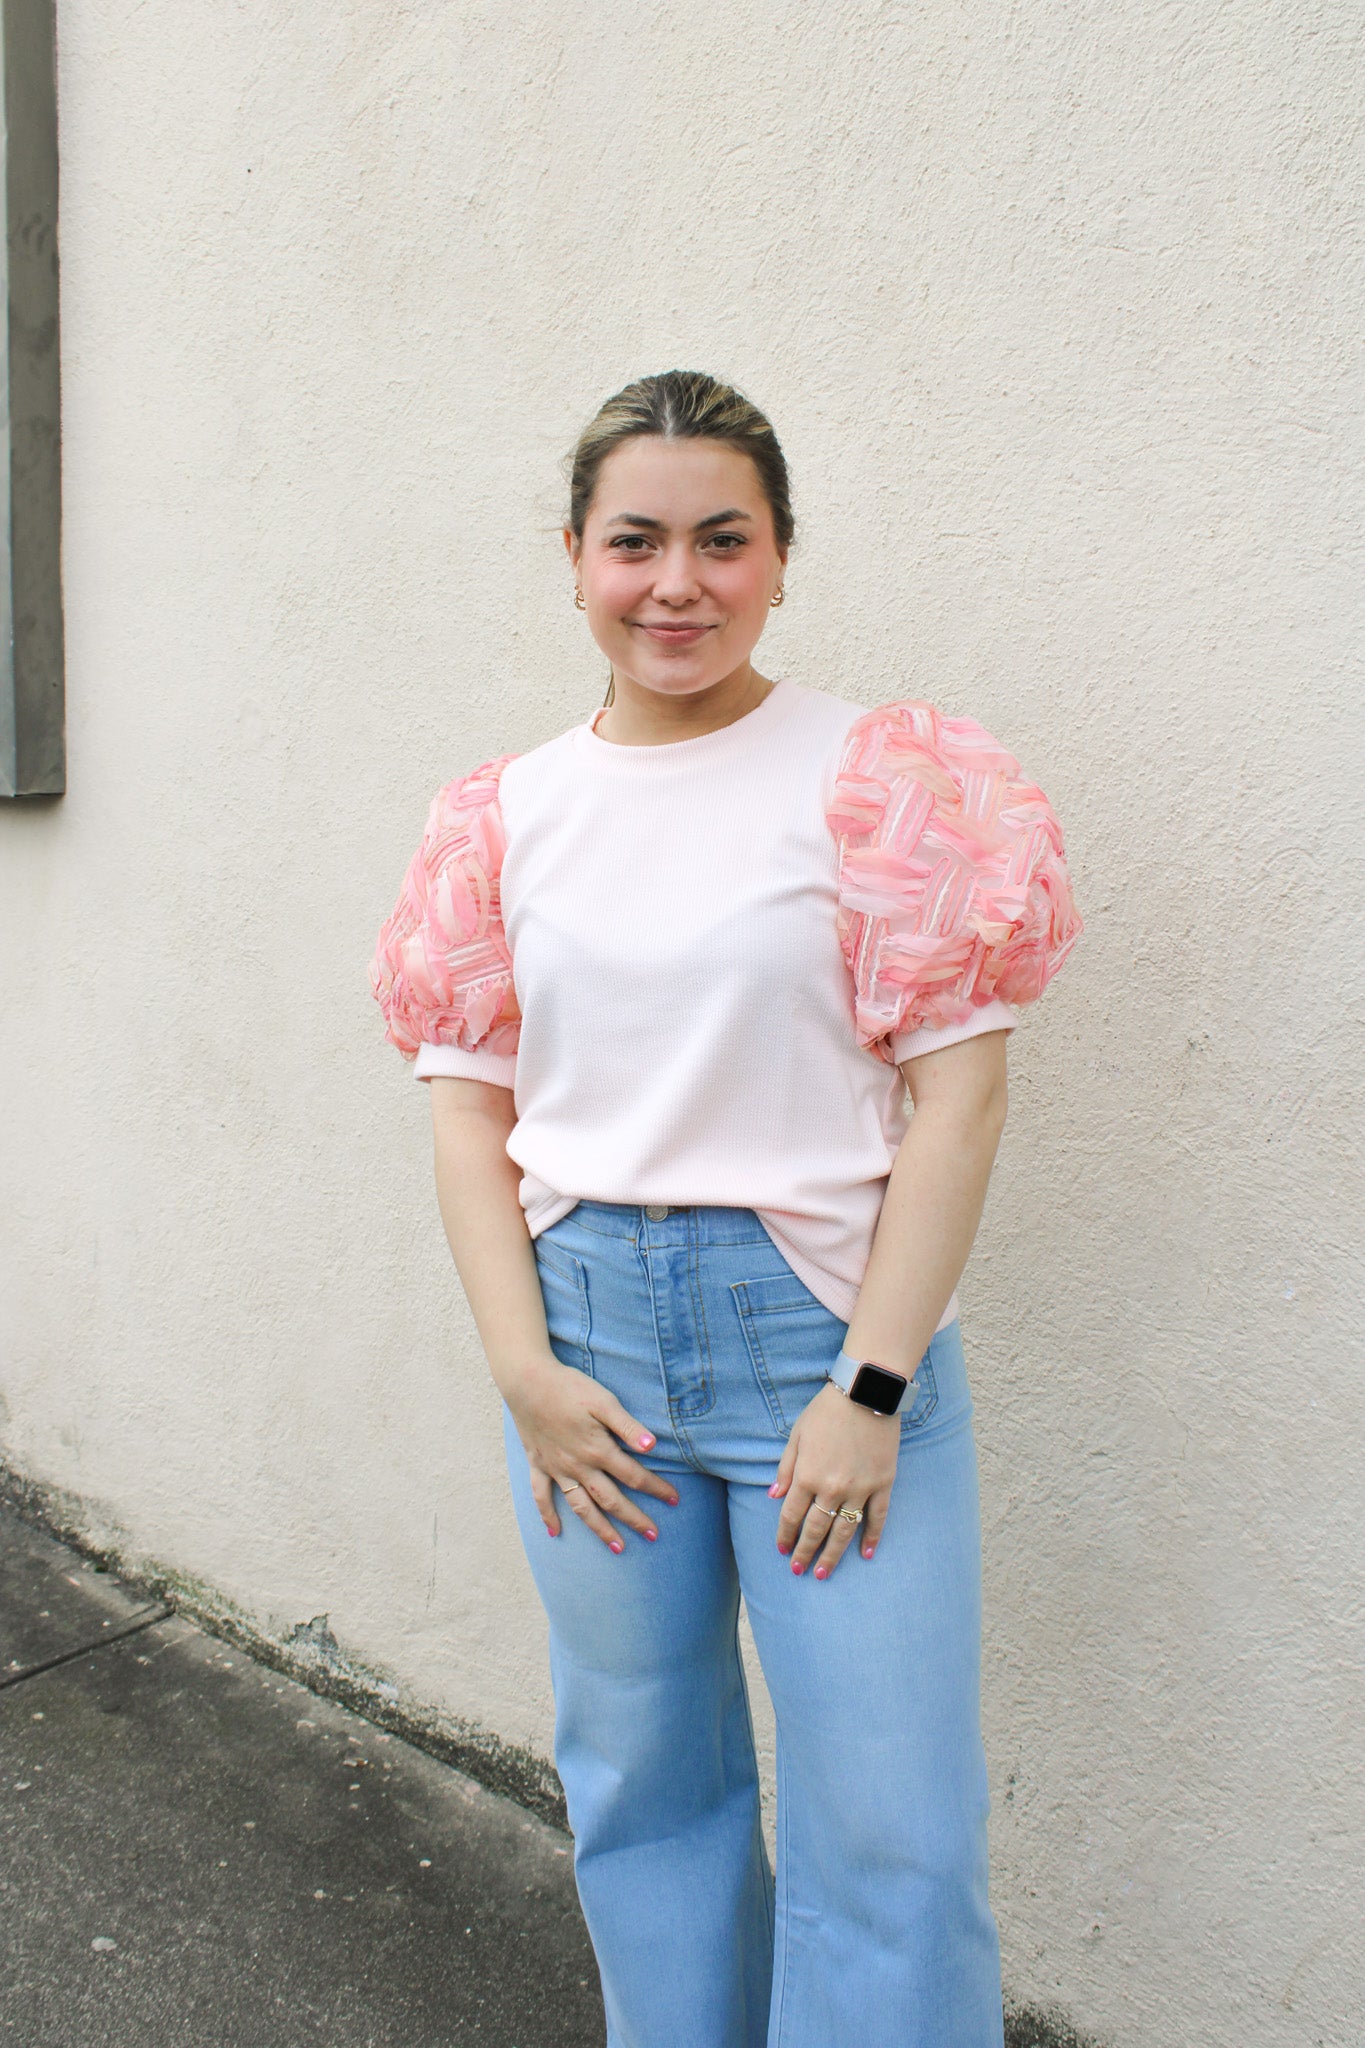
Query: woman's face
{"x":678,"y":562}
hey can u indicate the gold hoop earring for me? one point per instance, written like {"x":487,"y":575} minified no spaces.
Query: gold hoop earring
{"x":777,"y":597}
{"x":578,"y":599}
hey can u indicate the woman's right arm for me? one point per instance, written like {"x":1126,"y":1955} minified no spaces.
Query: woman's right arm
{"x":568,"y":1424}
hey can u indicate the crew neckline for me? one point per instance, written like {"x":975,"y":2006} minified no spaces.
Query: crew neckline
{"x":669,"y":752}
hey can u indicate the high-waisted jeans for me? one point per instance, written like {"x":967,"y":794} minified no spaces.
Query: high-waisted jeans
{"x":878,"y":1928}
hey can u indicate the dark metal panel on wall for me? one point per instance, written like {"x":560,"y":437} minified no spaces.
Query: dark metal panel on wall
{"x":32,"y":696}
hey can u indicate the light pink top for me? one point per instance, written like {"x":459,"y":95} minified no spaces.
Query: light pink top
{"x":697,"y":964}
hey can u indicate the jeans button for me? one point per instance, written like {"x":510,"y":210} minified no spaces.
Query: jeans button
{"x":656,"y":1212}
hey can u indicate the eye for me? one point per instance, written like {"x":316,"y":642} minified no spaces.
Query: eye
{"x":727,"y":543}
{"x":630,"y":543}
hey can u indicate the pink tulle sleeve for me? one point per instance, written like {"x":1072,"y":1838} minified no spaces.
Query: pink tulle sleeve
{"x":953,"y":886}
{"x":442,"y":973}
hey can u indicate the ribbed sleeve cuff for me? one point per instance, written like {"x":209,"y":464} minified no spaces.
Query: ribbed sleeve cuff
{"x":996,"y":1016}
{"x":453,"y":1061}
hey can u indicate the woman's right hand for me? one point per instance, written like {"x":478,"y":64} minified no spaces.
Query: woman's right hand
{"x":569,"y":1427}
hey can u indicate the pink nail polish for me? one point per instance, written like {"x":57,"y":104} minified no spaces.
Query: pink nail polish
{"x":774,"y":1490}
{"x":646,"y":1441}
{"x":673,"y":1500}
{"x":798,"y":1569}
{"x":785,"y":1549}
{"x":868,"y":1549}
{"x":820,"y":1572}
{"x":617,"y":1547}
{"x":549,"y":1531}
{"x":651,"y":1535}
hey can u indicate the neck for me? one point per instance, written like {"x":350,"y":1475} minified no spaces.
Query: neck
{"x":641,"y":717}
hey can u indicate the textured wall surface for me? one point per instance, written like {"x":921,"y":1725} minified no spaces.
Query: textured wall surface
{"x":1058,"y":310}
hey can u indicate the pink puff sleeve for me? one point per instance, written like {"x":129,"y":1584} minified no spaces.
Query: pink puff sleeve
{"x":442,"y":972}
{"x":953,"y":885}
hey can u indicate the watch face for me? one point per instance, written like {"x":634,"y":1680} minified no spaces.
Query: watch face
{"x":876,"y":1388}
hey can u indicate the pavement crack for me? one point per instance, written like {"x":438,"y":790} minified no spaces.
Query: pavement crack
{"x":144,"y":1618}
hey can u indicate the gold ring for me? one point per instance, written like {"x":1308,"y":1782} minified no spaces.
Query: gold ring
{"x":574,"y":1486}
{"x":824,"y":1510}
{"x":854,"y":1515}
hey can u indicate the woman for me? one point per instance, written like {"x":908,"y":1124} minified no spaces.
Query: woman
{"x":669,"y":976}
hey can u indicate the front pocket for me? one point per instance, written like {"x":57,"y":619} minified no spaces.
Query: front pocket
{"x":921,"y":1397}
{"x":792,"y":1340}
{"x":564,"y":1291}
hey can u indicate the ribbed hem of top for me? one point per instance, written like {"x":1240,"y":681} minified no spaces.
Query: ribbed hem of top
{"x":452,"y":1062}
{"x":992,"y":1016}
{"x":704,"y":746}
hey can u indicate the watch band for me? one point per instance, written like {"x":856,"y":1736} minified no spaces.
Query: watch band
{"x":872,"y":1386}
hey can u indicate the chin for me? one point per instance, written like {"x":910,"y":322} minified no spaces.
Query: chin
{"x":675,"y":676}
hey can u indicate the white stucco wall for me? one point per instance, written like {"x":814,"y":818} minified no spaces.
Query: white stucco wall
{"x":1058,"y":310}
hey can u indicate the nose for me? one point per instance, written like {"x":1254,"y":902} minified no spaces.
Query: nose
{"x":675,"y":577}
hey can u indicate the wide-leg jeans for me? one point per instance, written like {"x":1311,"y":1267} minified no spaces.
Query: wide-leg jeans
{"x":876,"y":1927}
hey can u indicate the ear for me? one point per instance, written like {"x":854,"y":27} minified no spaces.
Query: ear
{"x":573,"y":547}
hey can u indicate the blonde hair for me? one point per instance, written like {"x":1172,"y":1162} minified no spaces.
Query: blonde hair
{"x":681,"y":405}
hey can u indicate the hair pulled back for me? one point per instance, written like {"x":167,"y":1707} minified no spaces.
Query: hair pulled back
{"x":681,"y":405}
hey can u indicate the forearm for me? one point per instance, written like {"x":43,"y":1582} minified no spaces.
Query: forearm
{"x":930,"y":1213}
{"x":476,"y":1188}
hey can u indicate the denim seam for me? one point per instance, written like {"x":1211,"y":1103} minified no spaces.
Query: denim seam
{"x":777,"y":2011}
{"x":924,"y":1372}
{"x":677,"y":1426}
{"x":699,"y":1318}
{"x":753,"y":1745}
{"x":753,"y":1344}
{"x":945,"y":1432}
{"x":556,"y":1259}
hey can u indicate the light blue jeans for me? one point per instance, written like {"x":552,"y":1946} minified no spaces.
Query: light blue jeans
{"x":878,"y":1928}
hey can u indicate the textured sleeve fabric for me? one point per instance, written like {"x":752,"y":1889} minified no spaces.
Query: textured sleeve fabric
{"x":442,"y":972}
{"x":953,"y":885}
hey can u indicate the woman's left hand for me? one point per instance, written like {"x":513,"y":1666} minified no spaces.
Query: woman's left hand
{"x":843,"y":1456}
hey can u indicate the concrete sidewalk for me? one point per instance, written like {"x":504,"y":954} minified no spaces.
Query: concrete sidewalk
{"x":195,"y":1850}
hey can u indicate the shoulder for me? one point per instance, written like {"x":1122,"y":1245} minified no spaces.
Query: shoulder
{"x":953,"y":884}
{"x":820,"y":713}
{"x":504,"y":774}
{"x":466,"y":795}
{"x":909,"y":747}
{"x":901,"y":730}
{"x":482,"y":799}
{"x":911,"y":731}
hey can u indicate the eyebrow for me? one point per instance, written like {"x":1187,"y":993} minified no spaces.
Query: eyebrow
{"x":657,"y":525}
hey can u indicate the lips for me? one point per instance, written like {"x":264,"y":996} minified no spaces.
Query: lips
{"x":672,"y":636}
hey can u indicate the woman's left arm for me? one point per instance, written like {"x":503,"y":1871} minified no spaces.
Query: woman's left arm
{"x":840,"y":1453}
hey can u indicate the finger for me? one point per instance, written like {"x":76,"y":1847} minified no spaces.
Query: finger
{"x":543,"y":1493}
{"x":815,"y":1529}
{"x":586,"y":1509}
{"x":836,"y":1543}
{"x":609,"y":1411}
{"x":631,"y":1473}
{"x":878,"y":1508}
{"x":793,"y":1515}
{"x":610,"y":1499}
{"x":786,"y":1465}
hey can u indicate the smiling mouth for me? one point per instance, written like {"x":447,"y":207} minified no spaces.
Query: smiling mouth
{"x":670,"y":629}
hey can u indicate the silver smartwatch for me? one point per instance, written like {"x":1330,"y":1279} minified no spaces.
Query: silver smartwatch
{"x":871,"y":1386}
